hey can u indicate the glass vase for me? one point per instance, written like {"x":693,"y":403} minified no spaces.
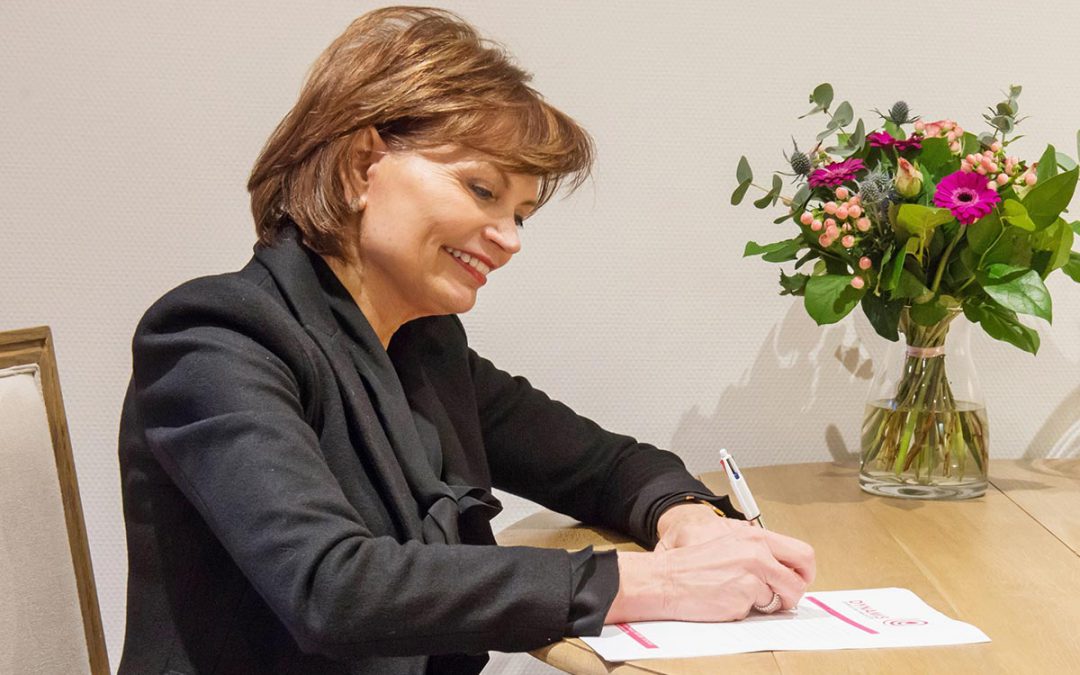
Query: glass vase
{"x":925,"y":433}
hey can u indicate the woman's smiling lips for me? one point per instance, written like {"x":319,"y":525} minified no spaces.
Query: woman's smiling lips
{"x":477,"y":268}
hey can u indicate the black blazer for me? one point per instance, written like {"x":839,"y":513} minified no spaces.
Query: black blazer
{"x":287,"y":485}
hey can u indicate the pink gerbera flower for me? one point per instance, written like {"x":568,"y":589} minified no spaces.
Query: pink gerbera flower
{"x":836,"y":173}
{"x":966,"y":195}
{"x":883,"y":139}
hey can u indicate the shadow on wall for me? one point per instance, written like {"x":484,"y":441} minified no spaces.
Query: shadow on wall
{"x":806,"y":390}
{"x":1059,"y":437}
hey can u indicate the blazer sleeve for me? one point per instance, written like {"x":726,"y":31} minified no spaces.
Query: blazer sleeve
{"x":542,"y":450}
{"x":221,"y":387}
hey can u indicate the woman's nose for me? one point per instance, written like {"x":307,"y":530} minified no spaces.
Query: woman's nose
{"x":506,"y":235}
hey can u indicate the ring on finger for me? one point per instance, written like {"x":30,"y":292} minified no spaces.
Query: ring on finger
{"x":773,"y":605}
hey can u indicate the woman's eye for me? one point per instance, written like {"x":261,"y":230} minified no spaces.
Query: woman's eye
{"x":519,"y":220}
{"x":482,"y":192}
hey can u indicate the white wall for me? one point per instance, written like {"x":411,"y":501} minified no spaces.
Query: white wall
{"x":127,"y":130}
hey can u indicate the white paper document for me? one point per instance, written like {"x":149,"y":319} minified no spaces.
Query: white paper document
{"x":877,"y":617}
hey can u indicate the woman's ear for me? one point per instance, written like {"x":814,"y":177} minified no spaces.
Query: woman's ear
{"x":365,"y":148}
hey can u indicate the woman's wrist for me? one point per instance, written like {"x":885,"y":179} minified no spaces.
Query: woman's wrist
{"x":643,"y":593}
{"x":683,"y":512}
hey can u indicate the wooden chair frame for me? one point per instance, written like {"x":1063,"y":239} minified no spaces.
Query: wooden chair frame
{"x":33,"y":346}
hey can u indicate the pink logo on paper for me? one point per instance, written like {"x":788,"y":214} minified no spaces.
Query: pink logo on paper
{"x":904,"y":622}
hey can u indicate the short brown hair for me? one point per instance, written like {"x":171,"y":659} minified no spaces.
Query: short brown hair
{"x":421,"y":77}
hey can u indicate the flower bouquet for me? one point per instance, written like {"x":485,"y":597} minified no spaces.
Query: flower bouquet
{"x":920,"y":222}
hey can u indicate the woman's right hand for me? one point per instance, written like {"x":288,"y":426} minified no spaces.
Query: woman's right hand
{"x":718,"y":580}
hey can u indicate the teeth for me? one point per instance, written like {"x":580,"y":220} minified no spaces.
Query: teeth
{"x":469,"y":260}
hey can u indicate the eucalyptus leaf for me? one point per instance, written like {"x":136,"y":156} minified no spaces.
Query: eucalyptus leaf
{"x":884,"y":315}
{"x":1049,"y":198}
{"x":822,"y":95}
{"x":743,"y":173}
{"x":831,"y":297}
{"x":1065,"y":162}
{"x":1018,"y":289}
{"x":844,"y":114}
{"x":739,"y":193}
{"x":1047,"y":167}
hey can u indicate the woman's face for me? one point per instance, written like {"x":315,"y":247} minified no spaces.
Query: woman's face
{"x":437,"y":223}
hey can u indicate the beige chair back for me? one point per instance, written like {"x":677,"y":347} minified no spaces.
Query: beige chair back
{"x":49,"y":618}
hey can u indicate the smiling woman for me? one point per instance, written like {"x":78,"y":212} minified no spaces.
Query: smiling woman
{"x":308,"y":445}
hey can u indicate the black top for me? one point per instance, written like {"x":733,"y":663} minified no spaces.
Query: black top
{"x":300,"y":500}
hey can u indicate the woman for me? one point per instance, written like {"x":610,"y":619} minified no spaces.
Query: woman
{"x":308,"y":445}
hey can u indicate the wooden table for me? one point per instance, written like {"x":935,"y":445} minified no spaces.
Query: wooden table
{"x":1007,"y":562}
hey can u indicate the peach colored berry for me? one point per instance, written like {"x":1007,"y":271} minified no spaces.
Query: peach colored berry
{"x":816,"y":225}
{"x":1029,"y":179}
{"x":995,"y":146}
{"x":1002,"y":179}
{"x":863,"y":224}
{"x":842,"y":192}
{"x":830,"y":222}
{"x":825,"y":241}
{"x":854,"y":211}
{"x":848,"y":241}
{"x":865,"y":263}
{"x":981,"y":170}
{"x":842,"y":212}
{"x":920,"y":125}
{"x":832,"y":231}
{"x":858,"y":282}
{"x":830,"y":208}
{"x":856,"y":199}
{"x":954,"y":146}
{"x":806,"y":218}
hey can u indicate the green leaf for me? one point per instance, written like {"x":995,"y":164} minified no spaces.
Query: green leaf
{"x":984,"y":231}
{"x":843,"y":115}
{"x":1047,"y":167}
{"x":910,"y":286}
{"x":743,"y":172}
{"x":1052,"y":247}
{"x":1001,"y":324}
{"x":969,"y":143}
{"x":822,"y":95}
{"x":1017,"y":288}
{"x":1048,"y":199}
{"x":936,"y":157}
{"x":808,"y":256}
{"x":793,"y":285}
{"x":1072,"y":268}
{"x":894,"y":130}
{"x":884,"y":315}
{"x":770,"y":196}
{"x":929,"y":313}
{"x":920,"y":221}
{"x":893,"y":279}
{"x":831,"y":297}
{"x":780,"y":251}
{"x":1017,"y":216}
{"x":739,"y":193}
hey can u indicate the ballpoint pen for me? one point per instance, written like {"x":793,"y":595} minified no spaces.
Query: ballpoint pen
{"x":742,"y":490}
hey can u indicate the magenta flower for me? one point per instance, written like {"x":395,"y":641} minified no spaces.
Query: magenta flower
{"x":836,"y":173}
{"x":883,"y":139}
{"x":966,"y":195}
{"x":912,"y":143}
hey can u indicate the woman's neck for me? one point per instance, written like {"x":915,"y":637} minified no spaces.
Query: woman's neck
{"x":385,"y":317}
